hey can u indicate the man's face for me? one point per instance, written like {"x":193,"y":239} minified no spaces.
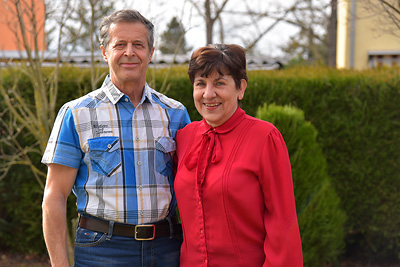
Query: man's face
{"x":127,"y":53}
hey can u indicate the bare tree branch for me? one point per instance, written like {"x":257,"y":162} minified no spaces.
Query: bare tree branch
{"x":386,"y":13}
{"x":34,"y":117}
{"x":390,"y":6}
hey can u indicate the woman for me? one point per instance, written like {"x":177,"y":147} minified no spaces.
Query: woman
{"x":233,"y":182}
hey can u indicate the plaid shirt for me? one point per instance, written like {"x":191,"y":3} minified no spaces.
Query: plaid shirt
{"x":123,"y":154}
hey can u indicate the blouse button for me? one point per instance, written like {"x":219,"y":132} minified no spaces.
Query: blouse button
{"x":140,"y":187}
{"x":126,"y":99}
{"x":139,"y":163}
{"x":109,"y":145}
{"x":137,"y":139}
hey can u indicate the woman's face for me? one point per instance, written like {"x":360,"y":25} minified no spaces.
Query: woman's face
{"x":216,"y":97}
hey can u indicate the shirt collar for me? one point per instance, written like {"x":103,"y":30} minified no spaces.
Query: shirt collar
{"x":210,"y":146}
{"x":227,"y":126}
{"x":115,"y":95}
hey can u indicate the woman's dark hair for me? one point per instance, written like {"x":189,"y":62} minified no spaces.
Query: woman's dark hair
{"x":228,"y":59}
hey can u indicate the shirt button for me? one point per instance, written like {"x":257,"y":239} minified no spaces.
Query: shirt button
{"x":139,"y":163}
{"x":126,"y":99}
{"x":109,"y":145}
{"x":140,"y":187}
{"x":137,"y":139}
{"x":141,"y":213}
{"x":201,"y":231}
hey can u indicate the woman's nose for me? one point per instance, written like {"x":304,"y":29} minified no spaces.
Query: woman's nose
{"x":209,"y":91}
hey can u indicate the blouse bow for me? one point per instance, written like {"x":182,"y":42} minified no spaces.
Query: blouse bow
{"x":209,"y":148}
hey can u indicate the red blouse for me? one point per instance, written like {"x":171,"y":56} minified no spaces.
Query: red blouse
{"x":235,"y":195}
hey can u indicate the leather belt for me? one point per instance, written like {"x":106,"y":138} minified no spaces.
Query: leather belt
{"x":139,"y":232}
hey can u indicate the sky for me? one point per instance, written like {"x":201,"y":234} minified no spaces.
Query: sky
{"x":160,"y":12}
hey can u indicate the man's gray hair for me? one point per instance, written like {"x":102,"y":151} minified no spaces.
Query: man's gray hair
{"x":125,"y":15}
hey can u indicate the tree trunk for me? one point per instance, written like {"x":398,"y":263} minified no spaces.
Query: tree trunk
{"x":332,"y":34}
{"x":209,"y":23}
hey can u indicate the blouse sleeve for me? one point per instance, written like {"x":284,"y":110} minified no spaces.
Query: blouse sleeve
{"x":282,"y":244}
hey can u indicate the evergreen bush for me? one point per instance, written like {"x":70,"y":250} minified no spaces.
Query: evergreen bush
{"x":321,"y":220}
{"x":358,"y":121}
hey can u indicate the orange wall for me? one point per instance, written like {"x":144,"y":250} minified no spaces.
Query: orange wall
{"x":9,"y":24}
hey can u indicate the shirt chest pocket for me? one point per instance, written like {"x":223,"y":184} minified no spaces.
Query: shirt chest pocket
{"x":105,"y":155}
{"x":165,"y":148}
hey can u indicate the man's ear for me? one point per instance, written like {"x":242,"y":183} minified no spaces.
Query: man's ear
{"x":151,"y":53}
{"x":103,"y":51}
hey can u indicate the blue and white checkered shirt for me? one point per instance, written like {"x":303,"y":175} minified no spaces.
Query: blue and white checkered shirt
{"x":124,"y":155}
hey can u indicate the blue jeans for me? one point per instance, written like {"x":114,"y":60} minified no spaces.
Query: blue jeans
{"x":99,"y":249}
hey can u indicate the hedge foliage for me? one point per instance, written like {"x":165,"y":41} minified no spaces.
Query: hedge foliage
{"x":321,"y":219}
{"x":357,"y":117}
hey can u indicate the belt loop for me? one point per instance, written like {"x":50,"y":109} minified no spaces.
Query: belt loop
{"x":171,"y":228}
{"x":110,"y":230}
{"x":79,"y":219}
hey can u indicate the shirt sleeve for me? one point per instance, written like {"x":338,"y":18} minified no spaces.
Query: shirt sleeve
{"x":186,"y":119}
{"x":63,"y":146}
{"x":282,"y":244}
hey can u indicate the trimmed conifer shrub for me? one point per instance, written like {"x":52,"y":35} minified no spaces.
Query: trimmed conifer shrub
{"x":321,"y":220}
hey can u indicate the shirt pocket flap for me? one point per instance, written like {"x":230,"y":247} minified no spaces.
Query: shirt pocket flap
{"x":106,"y":144}
{"x":165,"y":148}
{"x":165,"y":144}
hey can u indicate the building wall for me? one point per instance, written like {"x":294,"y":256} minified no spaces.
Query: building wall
{"x":343,"y":35}
{"x":9,"y":24}
{"x":360,"y":42}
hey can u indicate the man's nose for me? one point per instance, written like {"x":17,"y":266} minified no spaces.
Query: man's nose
{"x":130,"y":51}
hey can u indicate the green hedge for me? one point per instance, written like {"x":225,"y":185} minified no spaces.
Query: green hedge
{"x":321,"y":220}
{"x":357,"y":117}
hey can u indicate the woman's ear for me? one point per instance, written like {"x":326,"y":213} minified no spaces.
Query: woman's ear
{"x":242,"y":89}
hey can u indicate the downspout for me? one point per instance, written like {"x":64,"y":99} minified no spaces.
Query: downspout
{"x":352,"y":32}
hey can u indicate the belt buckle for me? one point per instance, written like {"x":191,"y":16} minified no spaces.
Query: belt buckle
{"x":145,"y":226}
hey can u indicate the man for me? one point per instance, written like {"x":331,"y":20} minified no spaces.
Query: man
{"x":114,"y":148}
